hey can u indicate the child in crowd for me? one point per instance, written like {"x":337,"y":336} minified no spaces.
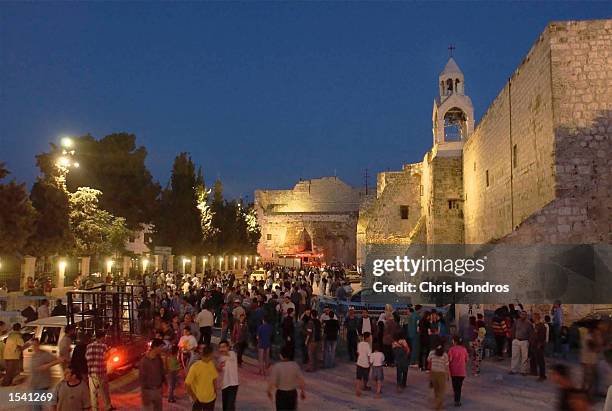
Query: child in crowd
{"x":363,"y":364}
{"x":172,"y":367}
{"x":401,"y":354}
{"x":377,"y":360}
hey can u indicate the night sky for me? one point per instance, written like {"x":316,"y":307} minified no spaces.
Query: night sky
{"x":260,"y":94}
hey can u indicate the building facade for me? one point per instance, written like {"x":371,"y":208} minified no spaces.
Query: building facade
{"x":316,"y":218}
{"x":536,"y":169}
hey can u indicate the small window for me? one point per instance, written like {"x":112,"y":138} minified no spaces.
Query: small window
{"x":421,"y":188}
{"x":268,"y":237}
{"x":404,"y":212}
{"x":514,"y":156}
{"x":487,"y":177}
{"x":453,"y":204}
{"x":474,"y":166}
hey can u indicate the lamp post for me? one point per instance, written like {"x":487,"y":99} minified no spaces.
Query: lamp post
{"x":62,"y":273}
{"x":109,"y":266}
{"x":145,"y":264}
{"x":185,"y":260}
{"x":66,"y":161}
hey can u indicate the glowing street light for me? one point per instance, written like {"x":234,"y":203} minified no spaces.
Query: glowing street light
{"x":145,"y":263}
{"x":67,"y":142}
{"x":185,"y":261}
{"x":63,"y":161}
{"x":109,"y":266}
{"x":220,"y":261}
{"x":204,"y":260}
{"x":235,"y":258}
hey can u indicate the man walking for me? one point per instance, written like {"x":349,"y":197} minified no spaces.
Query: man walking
{"x":151,"y":376}
{"x":351,"y":323}
{"x":331,"y":339}
{"x":228,"y":366}
{"x":205,"y":321}
{"x":521,"y":331}
{"x":201,"y":382}
{"x":285,"y":379}
{"x":537,"y":347}
{"x":65,"y":345}
{"x":13,"y":346}
{"x":96,"y":366}
{"x":41,"y":364}
{"x":72,"y":393}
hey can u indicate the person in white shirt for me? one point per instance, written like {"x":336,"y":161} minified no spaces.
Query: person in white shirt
{"x":187,"y":344}
{"x":43,"y":310}
{"x":363,"y":364}
{"x":377,"y":359}
{"x":286,"y":305}
{"x":227,"y":365}
{"x":205,"y":320}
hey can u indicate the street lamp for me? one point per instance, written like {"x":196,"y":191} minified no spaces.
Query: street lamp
{"x":109,"y":266}
{"x":145,"y":263}
{"x":67,"y":142}
{"x":185,"y":260}
{"x":220,"y":261}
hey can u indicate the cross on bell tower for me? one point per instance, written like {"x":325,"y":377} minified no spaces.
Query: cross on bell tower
{"x":451,"y":48}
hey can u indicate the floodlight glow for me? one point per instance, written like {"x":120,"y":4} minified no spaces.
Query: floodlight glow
{"x":67,"y":142}
{"x":76,"y":165}
{"x":63,"y":161}
{"x":62,"y":265}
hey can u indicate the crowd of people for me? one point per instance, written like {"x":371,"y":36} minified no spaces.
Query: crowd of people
{"x":284,"y":324}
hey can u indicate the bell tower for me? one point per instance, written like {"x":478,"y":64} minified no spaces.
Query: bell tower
{"x":453,"y":113}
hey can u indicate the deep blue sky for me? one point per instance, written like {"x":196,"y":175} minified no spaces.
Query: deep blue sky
{"x":261,"y":94}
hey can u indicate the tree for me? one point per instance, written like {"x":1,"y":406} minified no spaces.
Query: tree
{"x":17,"y":215}
{"x":179,"y":220}
{"x":206,"y":214}
{"x":96,"y":231}
{"x":115,"y":166}
{"x":51,"y":233}
{"x":252,"y":228}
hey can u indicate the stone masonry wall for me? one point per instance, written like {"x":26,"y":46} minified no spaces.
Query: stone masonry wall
{"x":581,"y":67}
{"x":395,"y":189}
{"x":512,"y":147}
{"x":445,"y":201}
{"x":318,"y":215}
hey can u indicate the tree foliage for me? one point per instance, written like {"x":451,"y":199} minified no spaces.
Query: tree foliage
{"x":178,"y":224}
{"x":52,"y":233}
{"x":16,"y":215}
{"x":96,"y":231}
{"x":115,"y":166}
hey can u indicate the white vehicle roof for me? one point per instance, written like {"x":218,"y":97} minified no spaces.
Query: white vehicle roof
{"x":57,"y":321}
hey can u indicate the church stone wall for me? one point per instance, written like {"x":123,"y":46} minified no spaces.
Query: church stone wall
{"x":514,"y":146}
{"x":394,"y":190}
{"x":581,"y":57}
{"x":318,"y":215}
{"x":444,"y":199}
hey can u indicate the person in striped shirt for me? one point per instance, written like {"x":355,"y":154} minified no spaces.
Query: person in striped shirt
{"x":438,"y":365}
{"x":96,"y":366}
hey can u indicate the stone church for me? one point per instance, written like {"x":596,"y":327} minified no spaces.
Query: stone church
{"x":536,"y":169}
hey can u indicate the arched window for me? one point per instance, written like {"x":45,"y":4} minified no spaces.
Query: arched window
{"x":457,"y":81}
{"x":449,"y":86}
{"x":455,"y":125}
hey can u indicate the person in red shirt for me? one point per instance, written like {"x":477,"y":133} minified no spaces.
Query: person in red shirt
{"x":457,"y":364}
